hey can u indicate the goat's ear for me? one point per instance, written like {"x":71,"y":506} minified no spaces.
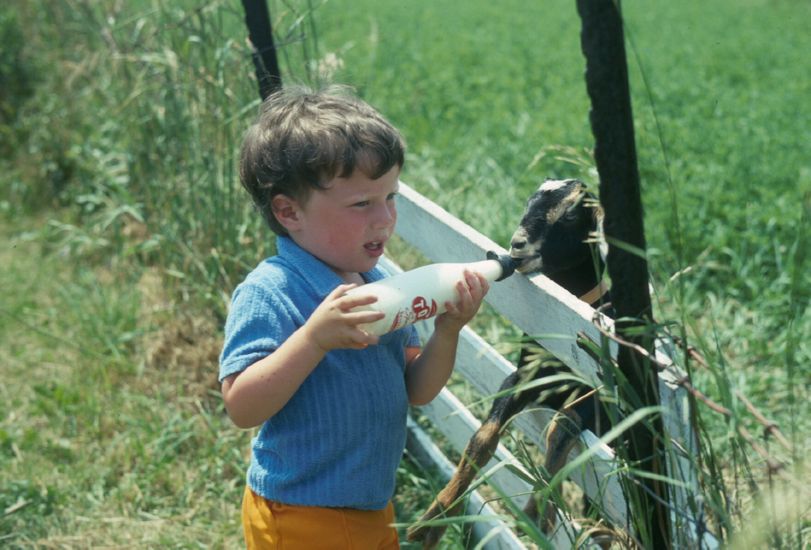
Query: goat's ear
{"x":597,"y":212}
{"x":583,"y":197}
{"x":599,"y":216}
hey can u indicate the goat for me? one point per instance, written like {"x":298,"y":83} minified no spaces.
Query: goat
{"x":556,"y":236}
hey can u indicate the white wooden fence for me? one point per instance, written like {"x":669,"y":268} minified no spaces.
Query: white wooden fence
{"x":537,"y":306}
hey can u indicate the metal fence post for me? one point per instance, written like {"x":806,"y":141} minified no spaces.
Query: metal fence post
{"x":603,"y":46}
{"x":260,"y":33}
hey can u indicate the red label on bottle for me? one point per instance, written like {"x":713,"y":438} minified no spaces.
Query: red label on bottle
{"x":400,"y":320}
{"x":422,"y":309}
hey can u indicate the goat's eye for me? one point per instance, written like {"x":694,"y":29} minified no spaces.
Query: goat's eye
{"x":571,"y":216}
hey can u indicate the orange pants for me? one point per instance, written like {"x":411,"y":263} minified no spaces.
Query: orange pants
{"x":272,"y":525}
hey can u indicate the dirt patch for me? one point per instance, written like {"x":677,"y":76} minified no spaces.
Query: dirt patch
{"x":183,"y":344}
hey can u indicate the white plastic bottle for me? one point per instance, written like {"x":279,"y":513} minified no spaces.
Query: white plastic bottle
{"x":421,"y":293}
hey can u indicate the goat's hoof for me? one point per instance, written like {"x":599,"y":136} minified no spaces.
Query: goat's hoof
{"x":547,"y":523}
{"x":428,"y":535}
{"x":550,"y":519}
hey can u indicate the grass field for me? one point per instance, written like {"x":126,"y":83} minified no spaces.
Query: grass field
{"x":126,"y":230}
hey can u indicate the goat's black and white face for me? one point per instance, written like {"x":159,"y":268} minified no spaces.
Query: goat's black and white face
{"x":560,"y":220}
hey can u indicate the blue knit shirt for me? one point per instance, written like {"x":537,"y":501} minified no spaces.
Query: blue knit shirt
{"x":339,"y":439}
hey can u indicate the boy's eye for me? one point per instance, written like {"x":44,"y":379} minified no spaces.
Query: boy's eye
{"x":361,"y":204}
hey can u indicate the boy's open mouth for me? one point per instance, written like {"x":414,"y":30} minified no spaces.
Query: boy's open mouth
{"x":375,"y":247}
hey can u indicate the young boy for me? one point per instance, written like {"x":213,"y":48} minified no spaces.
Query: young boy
{"x":331,"y":399}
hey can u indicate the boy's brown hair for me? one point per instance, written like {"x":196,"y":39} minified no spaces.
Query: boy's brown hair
{"x":303,"y":139}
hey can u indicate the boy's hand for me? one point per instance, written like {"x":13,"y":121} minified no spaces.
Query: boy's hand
{"x":332,"y":325}
{"x":470,"y":290}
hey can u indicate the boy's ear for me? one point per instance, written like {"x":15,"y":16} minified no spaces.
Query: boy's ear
{"x":286,"y":210}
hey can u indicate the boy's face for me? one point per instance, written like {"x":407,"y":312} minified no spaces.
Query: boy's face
{"x":347,"y":224}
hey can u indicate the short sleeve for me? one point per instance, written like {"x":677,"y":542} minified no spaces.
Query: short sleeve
{"x":413,"y":338}
{"x":258,"y":322}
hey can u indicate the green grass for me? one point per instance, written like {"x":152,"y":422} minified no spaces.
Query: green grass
{"x":97,"y":450}
{"x":126,"y":229}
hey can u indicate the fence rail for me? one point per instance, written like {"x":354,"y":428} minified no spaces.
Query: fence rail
{"x":555,"y":318}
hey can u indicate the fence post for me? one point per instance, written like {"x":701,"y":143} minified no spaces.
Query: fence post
{"x":603,"y":46}
{"x":260,"y":33}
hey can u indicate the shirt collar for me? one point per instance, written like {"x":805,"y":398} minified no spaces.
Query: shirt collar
{"x":319,"y":275}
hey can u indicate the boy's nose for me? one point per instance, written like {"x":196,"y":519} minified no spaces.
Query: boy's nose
{"x":386,"y":215}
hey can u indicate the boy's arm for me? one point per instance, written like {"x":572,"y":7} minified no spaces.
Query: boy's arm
{"x":428,"y":372}
{"x":260,"y":391}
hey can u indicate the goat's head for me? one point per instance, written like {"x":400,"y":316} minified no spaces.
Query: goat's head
{"x":562,"y":219}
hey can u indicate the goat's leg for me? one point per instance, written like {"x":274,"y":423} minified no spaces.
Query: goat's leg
{"x":561,"y":437}
{"x":482,"y":446}
{"x":449,"y":501}
{"x":478,"y":452}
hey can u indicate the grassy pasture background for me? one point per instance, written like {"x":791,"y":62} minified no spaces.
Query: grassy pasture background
{"x":126,"y":229}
